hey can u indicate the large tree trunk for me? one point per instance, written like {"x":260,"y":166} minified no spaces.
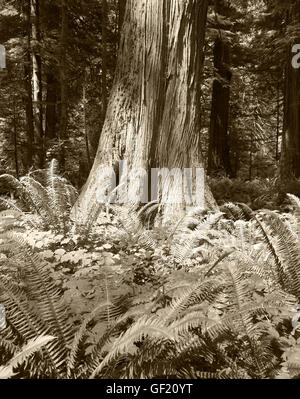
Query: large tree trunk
{"x":153,"y":114}
{"x":290,"y":151}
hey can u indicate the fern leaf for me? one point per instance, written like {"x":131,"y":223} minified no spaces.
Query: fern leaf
{"x":31,"y":347}
{"x":145,"y":326}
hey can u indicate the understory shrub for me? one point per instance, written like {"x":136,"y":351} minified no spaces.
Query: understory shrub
{"x":258,"y":193}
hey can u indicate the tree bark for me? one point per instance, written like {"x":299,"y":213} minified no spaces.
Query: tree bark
{"x":15,"y":133}
{"x":28,"y":89}
{"x":85,"y":125}
{"x":218,"y":150}
{"x":291,"y":129}
{"x":104,"y":55}
{"x":37,"y":80}
{"x":63,"y":84}
{"x":121,"y":8}
{"x":51,"y":104}
{"x":153,"y":114}
{"x":290,"y":150}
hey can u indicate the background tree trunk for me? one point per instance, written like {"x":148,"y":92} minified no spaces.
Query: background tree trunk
{"x":63,"y":84}
{"x":28,"y":89}
{"x":37,"y":79}
{"x":218,"y":150}
{"x":153,"y":114}
{"x":15,"y":134}
{"x":290,"y":150}
{"x":51,"y":104}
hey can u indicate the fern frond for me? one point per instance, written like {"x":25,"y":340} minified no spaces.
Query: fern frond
{"x":11,"y":205}
{"x":203,"y":290}
{"x":39,"y":198}
{"x":41,"y":310}
{"x":296,"y":202}
{"x":8,"y":345}
{"x":145,"y":326}
{"x":79,"y":336}
{"x":279,"y":273}
{"x":232,"y":211}
{"x":286,"y":251}
{"x":52,"y":201}
{"x":31,"y":347}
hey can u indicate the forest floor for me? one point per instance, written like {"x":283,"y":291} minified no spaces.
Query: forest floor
{"x":214,"y":295}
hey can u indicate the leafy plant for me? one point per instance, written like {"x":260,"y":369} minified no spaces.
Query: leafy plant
{"x":50,"y":197}
{"x":26,"y":352}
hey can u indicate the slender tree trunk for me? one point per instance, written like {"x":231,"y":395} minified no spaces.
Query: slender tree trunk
{"x":251,"y":157}
{"x":218,"y":150}
{"x":63,"y":83}
{"x":28,"y":89}
{"x":277,"y":121}
{"x":51,"y":104}
{"x":37,"y":80}
{"x":236,"y":165}
{"x":153,"y":114}
{"x":15,"y":133}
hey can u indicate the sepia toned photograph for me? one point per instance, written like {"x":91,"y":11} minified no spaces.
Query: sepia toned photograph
{"x":149,"y":192}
